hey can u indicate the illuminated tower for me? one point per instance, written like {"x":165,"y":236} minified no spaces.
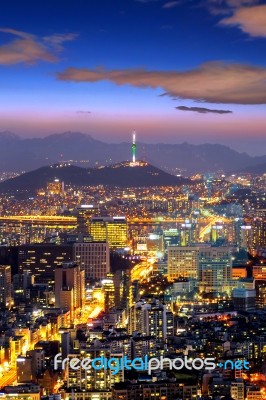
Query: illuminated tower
{"x":134,"y":147}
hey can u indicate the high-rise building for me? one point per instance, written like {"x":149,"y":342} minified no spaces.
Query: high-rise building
{"x":108,"y":292}
{"x":93,"y":379}
{"x":182,"y":262}
{"x":152,"y":318}
{"x":84,"y":215}
{"x":110,"y":229}
{"x":171,"y":237}
{"x":259,"y":234}
{"x":218,"y":232}
{"x":5,"y":285}
{"x":188,"y":233}
{"x":94,"y":258}
{"x":261,"y":294}
{"x":246,"y":237}
{"x":214,"y":268}
{"x":69,"y":286}
{"x":42,"y":259}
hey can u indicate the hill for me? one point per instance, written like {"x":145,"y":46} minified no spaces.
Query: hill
{"x":120,"y":175}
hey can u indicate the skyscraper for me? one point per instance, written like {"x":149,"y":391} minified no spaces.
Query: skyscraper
{"x":84,"y":215}
{"x":152,"y":318}
{"x":110,"y":229}
{"x":182,"y":262}
{"x":41,"y":259}
{"x":94,"y":258}
{"x":259,"y":236}
{"x":215,"y":268}
{"x":69,"y":287}
{"x":5,"y":285}
{"x":187,"y":233}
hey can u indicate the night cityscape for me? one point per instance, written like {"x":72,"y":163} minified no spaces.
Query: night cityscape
{"x":133,"y":200}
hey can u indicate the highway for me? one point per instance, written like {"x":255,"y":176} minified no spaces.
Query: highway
{"x":141,"y":271}
{"x":8,"y":378}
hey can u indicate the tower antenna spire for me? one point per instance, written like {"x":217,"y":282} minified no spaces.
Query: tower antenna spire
{"x":134,"y":147}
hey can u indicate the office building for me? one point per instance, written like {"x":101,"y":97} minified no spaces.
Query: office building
{"x":244,"y":299}
{"x":259,"y":234}
{"x":246,"y":237}
{"x":182,"y":262}
{"x":151,"y":244}
{"x":5,"y":286}
{"x":69,"y":287}
{"x":188,"y":233}
{"x":171,"y":237}
{"x":84,"y":215}
{"x":218,"y":232}
{"x":94,"y":258}
{"x":42,"y":259}
{"x":108,"y":292}
{"x":214,"y":268}
{"x":110,"y":229}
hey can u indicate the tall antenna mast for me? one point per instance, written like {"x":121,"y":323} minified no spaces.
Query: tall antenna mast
{"x":134,"y":147}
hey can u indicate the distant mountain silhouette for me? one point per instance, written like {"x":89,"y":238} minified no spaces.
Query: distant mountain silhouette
{"x":256,"y":169}
{"x":18,"y":154}
{"x":120,"y":175}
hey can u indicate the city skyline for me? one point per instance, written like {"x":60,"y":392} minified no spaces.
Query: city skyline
{"x":173,"y":70}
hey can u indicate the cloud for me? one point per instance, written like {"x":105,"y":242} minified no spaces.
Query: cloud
{"x":241,"y":3}
{"x":225,"y":7}
{"x":171,"y":4}
{"x":83,"y":112}
{"x":15,"y":32}
{"x":211,"y":82}
{"x":251,"y":20}
{"x":57,"y":40}
{"x":203,"y":110}
{"x":29,"y":49}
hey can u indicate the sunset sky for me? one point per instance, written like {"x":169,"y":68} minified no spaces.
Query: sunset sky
{"x":175,"y":71}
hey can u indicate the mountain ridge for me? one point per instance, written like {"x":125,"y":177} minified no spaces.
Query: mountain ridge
{"x":24,"y":154}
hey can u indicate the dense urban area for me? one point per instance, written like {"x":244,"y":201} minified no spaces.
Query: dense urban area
{"x":176,"y":274}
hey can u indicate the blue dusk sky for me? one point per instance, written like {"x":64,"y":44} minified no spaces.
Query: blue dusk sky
{"x":175,"y":71}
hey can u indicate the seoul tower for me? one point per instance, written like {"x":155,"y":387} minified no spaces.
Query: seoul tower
{"x":134,"y":147}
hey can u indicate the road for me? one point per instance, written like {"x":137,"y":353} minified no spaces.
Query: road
{"x":8,"y":378}
{"x":141,"y":271}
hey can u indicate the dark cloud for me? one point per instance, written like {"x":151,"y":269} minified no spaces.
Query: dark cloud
{"x":203,"y":110}
{"x":83,"y":112}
